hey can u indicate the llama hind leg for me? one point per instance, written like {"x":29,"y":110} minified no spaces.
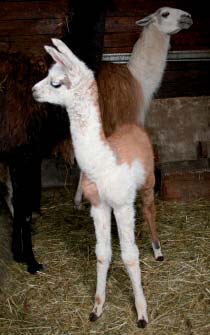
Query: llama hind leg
{"x":130,"y":256}
{"x":149,"y":213}
{"x":79,"y":192}
{"x":102,"y":221}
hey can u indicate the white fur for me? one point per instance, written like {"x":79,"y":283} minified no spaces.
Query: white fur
{"x":148,"y":59}
{"x":115,"y":183}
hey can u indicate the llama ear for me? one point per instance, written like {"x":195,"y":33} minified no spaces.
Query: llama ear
{"x":56,"y":55}
{"x":62,"y":47}
{"x":145,"y":21}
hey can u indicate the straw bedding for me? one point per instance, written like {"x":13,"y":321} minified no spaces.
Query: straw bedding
{"x":59,"y":300}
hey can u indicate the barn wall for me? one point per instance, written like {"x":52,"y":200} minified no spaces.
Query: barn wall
{"x":25,"y":26}
{"x":179,"y":116}
{"x":178,"y":127}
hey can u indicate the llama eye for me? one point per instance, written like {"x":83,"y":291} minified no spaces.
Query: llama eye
{"x":55,"y":84}
{"x":165,"y":14}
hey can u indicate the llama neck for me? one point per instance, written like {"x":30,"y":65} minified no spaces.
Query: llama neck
{"x":148,"y":60}
{"x":91,"y":148}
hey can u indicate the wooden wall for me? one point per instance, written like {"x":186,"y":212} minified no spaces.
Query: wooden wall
{"x":25,"y":26}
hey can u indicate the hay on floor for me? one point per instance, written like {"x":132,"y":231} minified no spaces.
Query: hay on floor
{"x":58,"y":301}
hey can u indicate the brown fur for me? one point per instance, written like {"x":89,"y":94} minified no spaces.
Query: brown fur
{"x":19,"y":112}
{"x":16,"y":103}
{"x":90,"y":191}
{"x":116,"y":105}
{"x":131,"y":142}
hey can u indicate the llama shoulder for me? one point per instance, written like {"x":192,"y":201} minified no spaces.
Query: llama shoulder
{"x":131,"y":142}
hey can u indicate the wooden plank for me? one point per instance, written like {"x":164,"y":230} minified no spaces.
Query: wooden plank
{"x":185,"y":79}
{"x":120,"y":40}
{"x":183,"y":41}
{"x":122,"y":24}
{"x":33,"y":9}
{"x":28,"y":45}
{"x":185,"y":181}
{"x":30,"y":27}
{"x":142,"y":8}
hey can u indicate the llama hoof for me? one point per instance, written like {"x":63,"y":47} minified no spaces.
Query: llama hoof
{"x":35,"y":267}
{"x":78,"y":206}
{"x":18,"y":257}
{"x":93,"y":317}
{"x":142,"y":323}
{"x":157,"y":251}
{"x":36,"y":215}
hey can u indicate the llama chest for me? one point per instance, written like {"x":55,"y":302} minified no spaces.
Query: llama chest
{"x":116,"y":186}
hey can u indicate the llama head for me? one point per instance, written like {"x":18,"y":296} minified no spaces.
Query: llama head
{"x":168,"y":20}
{"x":67,"y":79}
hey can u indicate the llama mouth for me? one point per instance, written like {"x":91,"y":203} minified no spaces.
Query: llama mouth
{"x":186,"y":23}
{"x":36,"y":97}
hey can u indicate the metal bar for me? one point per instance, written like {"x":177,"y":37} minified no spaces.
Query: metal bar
{"x":183,"y":56}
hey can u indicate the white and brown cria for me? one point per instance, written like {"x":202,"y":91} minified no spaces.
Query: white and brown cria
{"x":114,"y":168}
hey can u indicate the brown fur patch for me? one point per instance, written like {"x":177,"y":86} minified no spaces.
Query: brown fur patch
{"x":120,"y":96}
{"x":17,"y":75}
{"x":90,"y":191}
{"x":98,"y":300}
{"x":66,"y":82}
{"x":21,"y":117}
{"x":66,"y":150}
{"x":130,"y":142}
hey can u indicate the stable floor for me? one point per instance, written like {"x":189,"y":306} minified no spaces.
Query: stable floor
{"x":59,"y":300}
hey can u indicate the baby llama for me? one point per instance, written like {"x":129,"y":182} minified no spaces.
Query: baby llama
{"x":114,"y":168}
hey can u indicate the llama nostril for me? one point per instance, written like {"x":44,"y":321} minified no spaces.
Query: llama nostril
{"x":186,"y":16}
{"x":185,"y":21}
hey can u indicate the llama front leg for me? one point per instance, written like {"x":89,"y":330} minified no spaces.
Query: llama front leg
{"x":102,"y":221}
{"x":149,"y":213}
{"x":130,"y":256}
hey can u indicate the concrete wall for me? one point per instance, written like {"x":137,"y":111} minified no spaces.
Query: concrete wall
{"x":176,"y":125}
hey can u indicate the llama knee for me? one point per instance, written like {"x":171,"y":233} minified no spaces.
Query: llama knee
{"x":130,"y":256}
{"x":103,"y":253}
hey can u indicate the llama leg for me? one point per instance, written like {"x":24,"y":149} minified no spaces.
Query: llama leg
{"x":36,"y":186}
{"x":130,"y":256}
{"x":20,"y":171}
{"x":9,"y":195}
{"x":149,"y":213}
{"x":102,"y":221}
{"x":78,"y":195}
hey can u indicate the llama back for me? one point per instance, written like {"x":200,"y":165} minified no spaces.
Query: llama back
{"x":120,"y":97}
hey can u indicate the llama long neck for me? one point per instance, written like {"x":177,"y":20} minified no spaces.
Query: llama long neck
{"x":91,"y":148}
{"x":148,"y":60}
